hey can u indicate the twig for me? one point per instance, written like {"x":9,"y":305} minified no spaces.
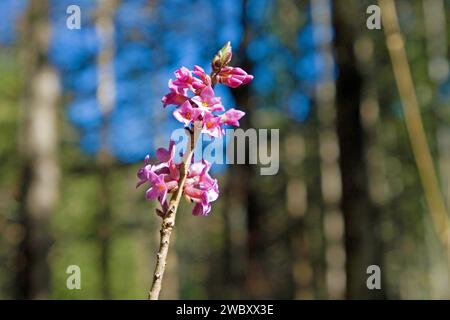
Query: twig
{"x":413,"y":120}
{"x":169,"y":218}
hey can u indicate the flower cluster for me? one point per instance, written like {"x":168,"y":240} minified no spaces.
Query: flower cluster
{"x":163,"y":178}
{"x":194,"y":97}
{"x":192,"y":92}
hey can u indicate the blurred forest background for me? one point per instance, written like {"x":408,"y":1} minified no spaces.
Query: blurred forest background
{"x":79,"y":110}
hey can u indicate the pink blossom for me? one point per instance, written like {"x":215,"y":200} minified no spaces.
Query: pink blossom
{"x":143,"y":173}
{"x":196,"y":169}
{"x":165,"y":155}
{"x":173,"y":98}
{"x":186,"y":114}
{"x":208,"y":183}
{"x":232,"y":117}
{"x":183,"y":75}
{"x":192,"y":91}
{"x":211,"y":125}
{"x":207,"y":101}
{"x":200,"y":198}
{"x":204,"y":81}
{"x":201,"y":209}
{"x":163,"y":177}
{"x":200,"y":188}
{"x":167,"y":164}
{"x":234,"y":77}
{"x":178,"y":87}
{"x":182,"y":82}
{"x":159,"y":188}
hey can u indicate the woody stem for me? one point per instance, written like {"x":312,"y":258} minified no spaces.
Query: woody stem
{"x":168,"y":221}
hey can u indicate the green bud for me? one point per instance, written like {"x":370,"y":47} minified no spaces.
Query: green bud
{"x":222,"y":58}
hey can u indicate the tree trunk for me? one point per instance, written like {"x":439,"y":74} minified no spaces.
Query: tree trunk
{"x":361,"y":241}
{"x":39,"y":142}
{"x":329,"y":156}
{"x":242,"y":188}
{"x":106,"y":99}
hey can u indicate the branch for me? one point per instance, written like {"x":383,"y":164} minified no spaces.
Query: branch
{"x":414,"y":125}
{"x":221,"y":59}
{"x":168,"y":221}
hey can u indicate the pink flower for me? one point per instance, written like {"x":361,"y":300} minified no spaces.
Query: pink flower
{"x":207,"y":101}
{"x":211,"y":191}
{"x":200,"y":188}
{"x":192,"y":92}
{"x":173,"y":98}
{"x":162,"y":177}
{"x":166,"y":155}
{"x":182,"y":82}
{"x":196,"y":169}
{"x":167,"y":164}
{"x":167,"y":170}
{"x":209,"y":184}
{"x":143,"y":173}
{"x":186,"y":114}
{"x":194,"y":193}
{"x":201,"y":209}
{"x":183,"y":75}
{"x":159,"y":188}
{"x":234,"y":77}
{"x":232,"y":117}
{"x":178,"y":87}
{"x":204,"y":81}
{"x":211,"y":125}
{"x":200,"y":198}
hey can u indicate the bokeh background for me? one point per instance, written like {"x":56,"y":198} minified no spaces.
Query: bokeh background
{"x":79,"y":110}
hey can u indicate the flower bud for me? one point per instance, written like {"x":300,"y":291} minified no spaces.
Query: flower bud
{"x":222,"y":58}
